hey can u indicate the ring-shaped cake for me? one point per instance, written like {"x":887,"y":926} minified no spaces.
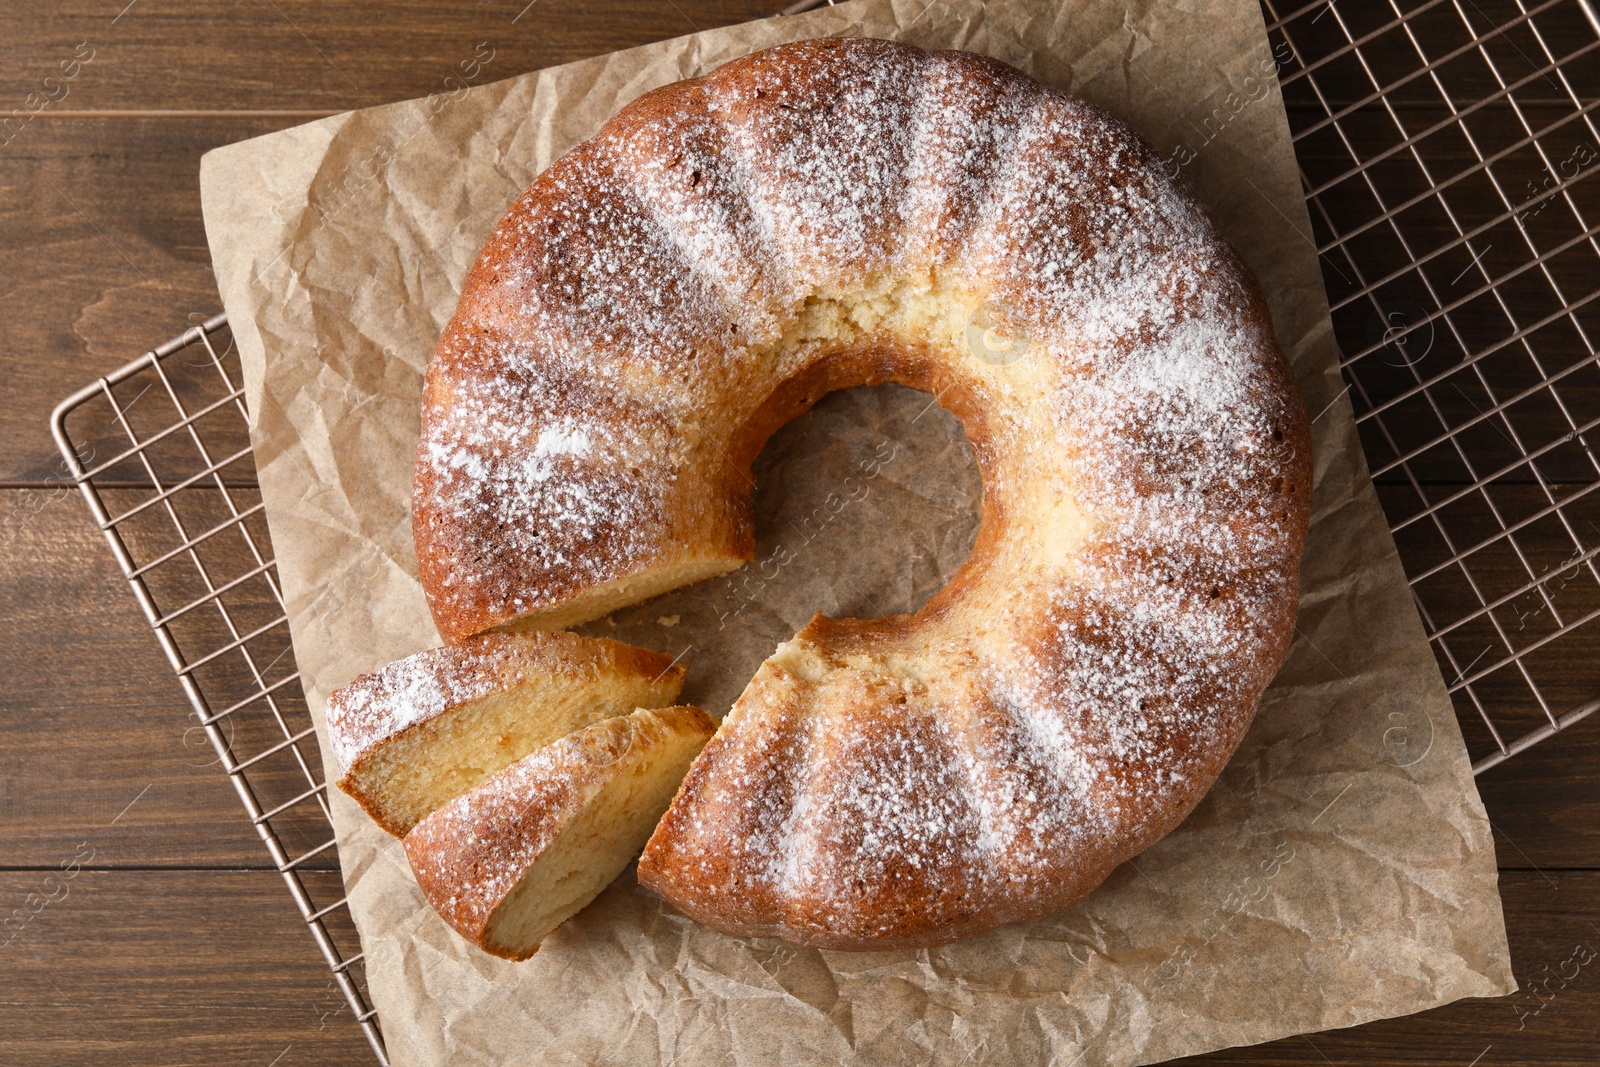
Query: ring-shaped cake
{"x":721,"y":254}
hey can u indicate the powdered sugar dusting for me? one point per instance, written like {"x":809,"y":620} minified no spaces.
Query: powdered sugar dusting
{"x":827,"y":166}
{"x":526,"y":464}
{"x":408,"y":691}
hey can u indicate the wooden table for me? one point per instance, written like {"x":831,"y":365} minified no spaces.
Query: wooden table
{"x":174,"y":942}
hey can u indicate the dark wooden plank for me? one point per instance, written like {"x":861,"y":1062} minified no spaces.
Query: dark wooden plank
{"x":1544,"y":803}
{"x":1536,"y":578}
{"x":333,"y":56}
{"x":102,"y":256}
{"x":218,"y":55}
{"x":167,"y":967}
{"x":95,"y":722}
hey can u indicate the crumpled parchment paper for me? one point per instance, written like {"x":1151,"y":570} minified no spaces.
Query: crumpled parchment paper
{"x":1341,"y":870}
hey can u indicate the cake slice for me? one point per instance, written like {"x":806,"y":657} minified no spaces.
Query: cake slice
{"x":515,"y":857}
{"x":427,"y":728}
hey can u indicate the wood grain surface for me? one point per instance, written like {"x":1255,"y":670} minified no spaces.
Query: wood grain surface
{"x":147,"y":925}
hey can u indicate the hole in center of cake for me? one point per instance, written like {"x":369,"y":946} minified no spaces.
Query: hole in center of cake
{"x":865,"y":506}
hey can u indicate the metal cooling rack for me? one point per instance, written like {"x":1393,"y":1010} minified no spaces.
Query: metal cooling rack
{"x":1448,"y":156}
{"x":1440,"y":144}
{"x":176,"y":501}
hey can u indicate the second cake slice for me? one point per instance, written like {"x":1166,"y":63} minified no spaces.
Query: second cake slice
{"x":510,"y":860}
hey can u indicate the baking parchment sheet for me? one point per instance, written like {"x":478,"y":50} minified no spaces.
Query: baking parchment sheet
{"x":1342,"y":869}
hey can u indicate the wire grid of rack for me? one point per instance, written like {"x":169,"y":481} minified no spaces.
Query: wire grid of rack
{"x":1448,"y":155}
{"x":1460,"y":160}
{"x":176,"y":502}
